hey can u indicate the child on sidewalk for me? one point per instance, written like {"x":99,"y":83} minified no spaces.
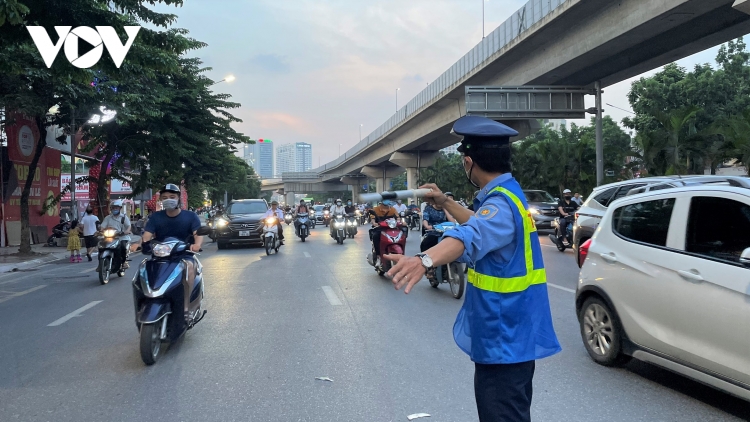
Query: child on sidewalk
{"x":74,"y":242}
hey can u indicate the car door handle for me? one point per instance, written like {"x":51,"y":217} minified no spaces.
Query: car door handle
{"x":609,"y":257}
{"x":690,"y":275}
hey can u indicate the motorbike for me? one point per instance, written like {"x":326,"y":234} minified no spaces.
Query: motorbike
{"x":454,"y":273}
{"x":312,"y":219}
{"x":339,"y":228}
{"x":110,"y":254}
{"x":303,"y":226}
{"x":271,"y":235}
{"x":59,"y":231}
{"x":358,"y":217}
{"x":288,"y":218}
{"x":351,"y":224}
{"x":167,"y":295}
{"x":563,"y":238}
{"x":392,"y":241}
{"x":363,"y":218}
{"x":326,"y":218}
{"x":413,"y":220}
{"x":212,"y":232}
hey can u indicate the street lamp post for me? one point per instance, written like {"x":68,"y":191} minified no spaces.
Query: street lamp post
{"x":397,"y":90}
{"x":228,"y":79}
{"x":360,"y":132}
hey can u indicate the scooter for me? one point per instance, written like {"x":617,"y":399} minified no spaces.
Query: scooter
{"x":561,"y":241}
{"x":59,"y":231}
{"x":110,"y":254}
{"x":413,"y":220}
{"x":393,"y":236}
{"x":288,"y":218}
{"x":358,"y":217}
{"x":167,"y":295}
{"x":326,"y":218}
{"x":454,"y":273}
{"x":303,"y":226}
{"x":339,"y":228}
{"x":271,"y":236}
{"x":351,"y":225}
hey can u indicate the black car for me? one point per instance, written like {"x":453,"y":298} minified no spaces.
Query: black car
{"x":240,"y":223}
{"x":543,"y":208}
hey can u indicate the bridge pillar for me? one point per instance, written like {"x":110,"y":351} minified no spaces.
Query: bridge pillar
{"x":412,"y":162}
{"x":290,"y":199}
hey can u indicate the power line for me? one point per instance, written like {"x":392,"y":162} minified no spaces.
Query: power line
{"x":620,"y":108}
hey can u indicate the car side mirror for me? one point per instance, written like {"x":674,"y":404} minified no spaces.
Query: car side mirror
{"x":203,"y":231}
{"x":745,"y":257}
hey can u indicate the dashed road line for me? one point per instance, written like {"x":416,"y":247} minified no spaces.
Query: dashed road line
{"x":331,"y":295}
{"x":565,"y":289}
{"x":17,"y":294}
{"x":307,"y":255}
{"x":74,"y":314}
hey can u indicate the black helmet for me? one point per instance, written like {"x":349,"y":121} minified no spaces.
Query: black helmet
{"x":449,"y":194}
{"x":170,"y":187}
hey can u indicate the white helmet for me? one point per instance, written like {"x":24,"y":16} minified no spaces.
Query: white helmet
{"x":566,"y":191}
{"x":116,"y":203}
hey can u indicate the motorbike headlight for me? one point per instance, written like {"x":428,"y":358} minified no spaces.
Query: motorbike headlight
{"x":271,"y":221}
{"x":392,"y":224}
{"x":325,"y":212}
{"x":357,"y":213}
{"x":162,"y":249}
{"x":109,"y":233}
{"x":534,"y":210}
{"x":221,"y":222}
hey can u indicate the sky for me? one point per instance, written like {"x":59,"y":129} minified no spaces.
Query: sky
{"x":315,"y":70}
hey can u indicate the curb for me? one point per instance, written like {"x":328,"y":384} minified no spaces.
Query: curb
{"x":54,"y":256}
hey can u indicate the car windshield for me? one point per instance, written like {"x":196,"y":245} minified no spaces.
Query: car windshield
{"x":538,"y":196}
{"x":318,"y":208}
{"x":247,"y":208}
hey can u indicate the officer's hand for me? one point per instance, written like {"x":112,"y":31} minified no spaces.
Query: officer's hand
{"x":436,"y":196}
{"x":407,"y":271}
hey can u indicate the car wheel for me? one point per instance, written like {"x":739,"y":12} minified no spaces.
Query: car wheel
{"x":221,"y":245}
{"x":601,"y":333}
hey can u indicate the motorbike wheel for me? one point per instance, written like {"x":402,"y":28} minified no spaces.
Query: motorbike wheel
{"x":105,"y":270}
{"x":560,"y":246}
{"x":458,"y":281}
{"x":303,"y":239}
{"x":269,"y":246}
{"x":433,"y":282}
{"x":121,"y":273}
{"x":151,"y":342}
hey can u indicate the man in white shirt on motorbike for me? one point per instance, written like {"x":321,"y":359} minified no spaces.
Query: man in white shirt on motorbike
{"x":337,"y":209}
{"x":120,"y":222}
{"x":275,"y":211}
{"x":400,"y":207}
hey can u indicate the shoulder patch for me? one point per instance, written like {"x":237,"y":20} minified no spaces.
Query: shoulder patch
{"x":487,"y":212}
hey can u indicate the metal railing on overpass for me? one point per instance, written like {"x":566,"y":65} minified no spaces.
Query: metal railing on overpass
{"x":532,"y":12}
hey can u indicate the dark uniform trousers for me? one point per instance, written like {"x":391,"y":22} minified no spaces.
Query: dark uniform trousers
{"x":503,"y":392}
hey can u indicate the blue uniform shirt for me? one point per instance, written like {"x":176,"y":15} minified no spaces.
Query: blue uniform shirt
{"x":495,"y":234}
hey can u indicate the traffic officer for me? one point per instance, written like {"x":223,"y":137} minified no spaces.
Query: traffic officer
{"x":505,"y":323}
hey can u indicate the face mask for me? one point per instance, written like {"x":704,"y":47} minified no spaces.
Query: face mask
{"x":468,"y":174}
{"x":567,"y":197}
{"x":387,"y":203}
{"x":349,"y":203}
{"x":115,"y":212}
{"x":338,"y":203}
{"x":169,"y":204}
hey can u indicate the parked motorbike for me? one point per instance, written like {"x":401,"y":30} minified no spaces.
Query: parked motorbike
{"x":288,"y":218}
{"x":271,"y":235}
{"x":302,"y":226}
{"x":454,"y":273}
{"x":351,"y":225}
{"x":339,"y":228}
{"x":111,"y":259}
{"x":59,"y":231}
{"x":563,"y":238}
{"x":167,"y":295}
{"x":392,"y":241}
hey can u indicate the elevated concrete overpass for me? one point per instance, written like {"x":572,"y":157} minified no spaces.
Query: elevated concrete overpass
{"x":546,"y":42}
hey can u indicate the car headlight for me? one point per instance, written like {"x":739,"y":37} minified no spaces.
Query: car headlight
{"x":534,"y":210}
{"x":162,"y":249}
{"x":109,"y":233}
{"x":392,"y":224}
{"x":221,"y":222}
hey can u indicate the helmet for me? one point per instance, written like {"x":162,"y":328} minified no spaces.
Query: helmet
{"x":449,"y":194}
{"x":170,"y":187}
{"x":116,"y":203}
{"x":274,"y":202}
{"x":566,"y":191}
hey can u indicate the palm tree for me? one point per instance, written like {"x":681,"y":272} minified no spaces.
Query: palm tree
{"x":674,"y":123}
{"x":736,"y":131}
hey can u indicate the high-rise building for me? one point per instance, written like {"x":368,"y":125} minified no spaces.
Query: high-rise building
{"x":296,"y":157}
{"x":259,"y":156}
{"x":451,"y":149}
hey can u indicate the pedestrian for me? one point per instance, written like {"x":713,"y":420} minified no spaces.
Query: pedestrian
{"x":90,"y":227}
{"x":505,"y":323}
{"x":74,"y":242}
{"x":577,"y":199}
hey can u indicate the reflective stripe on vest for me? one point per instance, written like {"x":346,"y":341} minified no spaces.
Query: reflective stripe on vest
{"x":513,"y":284}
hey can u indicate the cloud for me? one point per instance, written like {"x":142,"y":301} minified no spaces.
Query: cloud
{"x":272,"y":120}
{"x":270,"y":63}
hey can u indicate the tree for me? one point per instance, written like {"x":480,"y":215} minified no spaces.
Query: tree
{"x":448,"y":174}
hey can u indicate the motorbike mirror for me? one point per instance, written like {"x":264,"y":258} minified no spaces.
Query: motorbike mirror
{"x":745,"y":257}
{"x":204,"y":231}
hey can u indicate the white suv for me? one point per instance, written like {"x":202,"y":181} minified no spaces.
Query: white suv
{"x":666,"y":279}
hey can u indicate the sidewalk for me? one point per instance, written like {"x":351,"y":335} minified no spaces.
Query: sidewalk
{"x":11,"y":260}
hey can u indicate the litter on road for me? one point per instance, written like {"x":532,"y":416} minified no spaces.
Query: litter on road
{"x":417,"y":416}
{"x":323,"y":379}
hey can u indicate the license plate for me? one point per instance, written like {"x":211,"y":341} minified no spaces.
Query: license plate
{"x":245,"y":233}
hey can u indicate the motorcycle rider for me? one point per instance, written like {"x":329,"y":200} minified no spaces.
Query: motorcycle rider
{"x":349,"y":208}
{"x":337,"y":208}
{"x":120,"y":222}
{"x":434,"y":215}
{"x":567,"y":207}
{"x":172,"y":221}
{"x":274,"y":211}
{"x":400,"y":207}
{"x":382,"y":212}
{"x":301,"y":208}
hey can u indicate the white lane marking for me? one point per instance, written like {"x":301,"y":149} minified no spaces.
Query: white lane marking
{"x":89,"y":270}
{"x":14,"y":295}
{"x":561,"y":288}
{"x":307,"y":255}
{"x":331,"y":296}
{"x":74,"y":314}
{"x":549,"y":246}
